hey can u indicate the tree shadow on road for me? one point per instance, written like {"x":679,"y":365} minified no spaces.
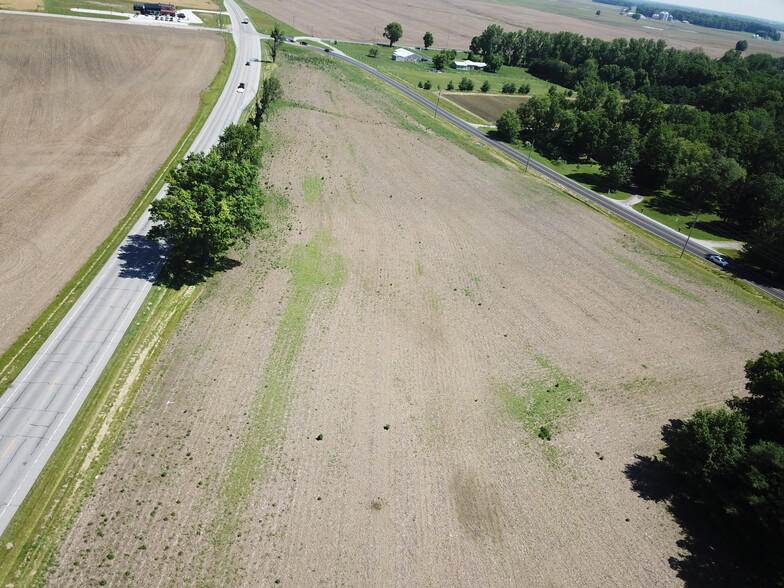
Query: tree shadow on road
{"x":141,"y":258}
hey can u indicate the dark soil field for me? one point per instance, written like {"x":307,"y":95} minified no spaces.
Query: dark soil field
{"x":486,"y":106}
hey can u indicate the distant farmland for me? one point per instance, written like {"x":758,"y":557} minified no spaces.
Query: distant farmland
{"x":486,"y":107}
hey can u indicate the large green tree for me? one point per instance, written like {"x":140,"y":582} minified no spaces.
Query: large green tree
{"x":508,"y":126}
{"x":394,"y":32}
{"x":443,"y":58}
{"x":213,"y":200}
{"x":428,"y":39}
{"x":731,"y":464}
{"x":271,"y":90}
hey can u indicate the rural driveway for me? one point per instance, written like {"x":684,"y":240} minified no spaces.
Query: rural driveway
{"x":41,"y":403}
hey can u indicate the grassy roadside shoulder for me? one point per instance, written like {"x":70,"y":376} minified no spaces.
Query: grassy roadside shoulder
{"x":18,"y":355}
{"x":49,"y":508}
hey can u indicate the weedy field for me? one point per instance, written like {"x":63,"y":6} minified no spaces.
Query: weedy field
{"x":431,"y":370}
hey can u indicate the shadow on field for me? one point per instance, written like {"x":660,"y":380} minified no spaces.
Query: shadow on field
{"x":141,"y":258}
{"x":705,"y":556}
{"x":179,"y":272}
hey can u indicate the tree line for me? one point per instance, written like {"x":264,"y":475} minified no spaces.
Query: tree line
{"x":705,"y":19}
{"x":708,"y":132}
{"x":213,"y":199}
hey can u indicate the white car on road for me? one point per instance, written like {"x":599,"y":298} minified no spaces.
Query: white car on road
{"x":719,"y":260}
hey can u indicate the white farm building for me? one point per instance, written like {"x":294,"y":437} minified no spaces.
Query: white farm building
{"x":468,"y":64}
{"x":401,"y":54}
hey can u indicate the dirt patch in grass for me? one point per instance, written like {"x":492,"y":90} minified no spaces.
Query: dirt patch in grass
{"x":454,"y":23}
{"x":358,"y":403}
{"x":89,"y":112}
{"x":486,"y":107}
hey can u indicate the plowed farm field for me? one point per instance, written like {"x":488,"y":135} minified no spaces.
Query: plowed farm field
{"x":488,"y":107}
{"x":454,"y":23}
{"x":89,"y":112}
{"x":359,"y":401}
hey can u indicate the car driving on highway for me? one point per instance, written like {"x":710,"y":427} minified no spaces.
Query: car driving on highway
{"x":719,"y":260}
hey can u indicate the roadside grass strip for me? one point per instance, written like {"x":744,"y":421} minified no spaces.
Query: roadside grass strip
{"x":264,"y":23}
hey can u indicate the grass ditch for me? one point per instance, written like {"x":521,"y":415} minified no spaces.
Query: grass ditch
{"x":316,"y":276}
{"x":49,"y":509}
{"x":20,"y":353}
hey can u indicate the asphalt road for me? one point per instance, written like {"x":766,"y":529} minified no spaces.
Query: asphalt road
{"x":40,"y":404}
{"x":625,"y":212}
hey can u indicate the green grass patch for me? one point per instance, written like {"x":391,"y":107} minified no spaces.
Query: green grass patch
{"x":21,"y":352}
{"x":213,"y":20}
{"x":414,"y":73}
{"x":654,"y":279}
{"x":65,"y":6}
{"x":666,"y":210}
{"x":49,"y":509}
{"x":312,"y":187}
{"x":264,"y":23}
{"x":316,"y":276}
{"x":541,"y":403}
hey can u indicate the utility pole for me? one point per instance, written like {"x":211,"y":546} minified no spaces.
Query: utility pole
{"x":435,"y":112}
{"x":530,"y":150}
{"x":696,"y":216}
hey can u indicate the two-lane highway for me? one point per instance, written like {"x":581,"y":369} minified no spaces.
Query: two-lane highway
{"x":40,"y":404}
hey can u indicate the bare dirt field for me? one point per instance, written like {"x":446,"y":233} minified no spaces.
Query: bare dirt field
{"x":357,"y":402}
{"x":488,"y":107}
{"x":89,"y":112}
{"x":454,"y":22}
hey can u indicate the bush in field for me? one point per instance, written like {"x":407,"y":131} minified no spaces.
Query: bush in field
{"x":509,"y":88}
{"x":485,"y":86}
{"x":427,"y":85}
{"x":373,"y":52}
{"x":524,"y":89}
{"x":465,"y":85}
{"x":450,"y":85}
